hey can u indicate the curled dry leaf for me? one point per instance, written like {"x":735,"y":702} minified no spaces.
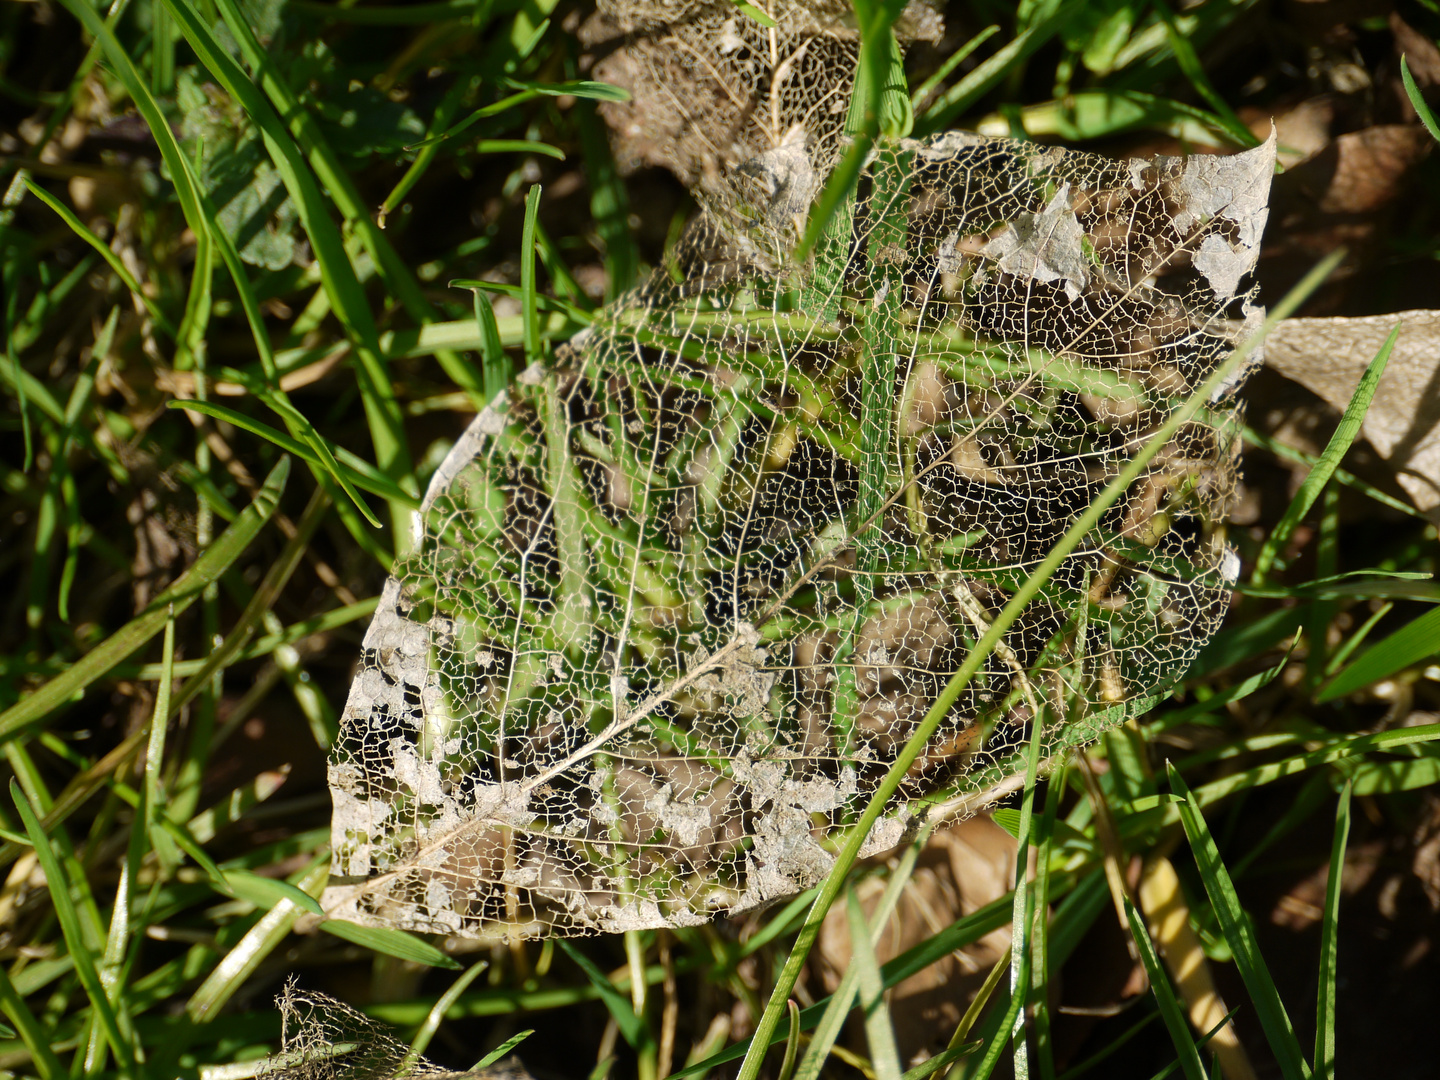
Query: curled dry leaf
{"x":676,"y":603}
{"x":325,"y":1039}
{"x":1328,"y":357}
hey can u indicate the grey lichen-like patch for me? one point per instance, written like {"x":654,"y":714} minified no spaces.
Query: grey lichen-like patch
{"x":1048,"y":246}
{"x":678,"y":600}
{"x":1234,"y":188}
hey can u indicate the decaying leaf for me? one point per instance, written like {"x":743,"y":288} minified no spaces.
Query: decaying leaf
{"x":712,"y":90}
{"x":1328,"y":356}
{"x":325,"y":1039}
{"x":677,"y":600}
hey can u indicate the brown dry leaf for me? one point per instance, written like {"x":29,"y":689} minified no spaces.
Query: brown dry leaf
{"x":1362,"y":171}
{"x":960,"y":871}
{"x":1340,"y":195}
{"x":1328,"y":357}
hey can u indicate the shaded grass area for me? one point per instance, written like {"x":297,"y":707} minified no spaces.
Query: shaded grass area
{"x":256,"y":210}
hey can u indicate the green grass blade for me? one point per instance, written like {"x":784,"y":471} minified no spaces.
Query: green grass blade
{"x":1349,"y":479}
{"x":258,"y":942}
{"x":1320,"y":475}
{"x":80,"y":229}
{"x":954,"y":60}
{"x":792,"y":1044}
{"x":832,"y":1020}
{"x":1325,"y":999}
{"x":496,"y":365}
{"x":1240,"y":935}
{"x":34,"y":1035}
{"x":1422,"y":110}
{"x":990,"y":71}
{"x":879,"y":1033}
{"x":396,"y":943}
{"x":1214,"y":1061}
{"x":1413,"y":642}
{"x":75,"y":943}
{"x":266,"y":892}
{"x":633,"y":1028}
{"x":437,"y":1013}
{"x":1083,"y":526}
{"x":1194,"y":71}
{"x":328,"y":168}
{"x":347,"y":297}
{"x":150,"y":810}
{"x":529,"y":311}
{"x":500,"y":1051}
{"x":609,"y":203}
{"x":207,"y":569}
{"x":1170,"y":1010}
{"x":358,"y":473}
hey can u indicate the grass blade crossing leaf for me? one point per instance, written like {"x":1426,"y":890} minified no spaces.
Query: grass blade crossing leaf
{"x":1335,"y":450}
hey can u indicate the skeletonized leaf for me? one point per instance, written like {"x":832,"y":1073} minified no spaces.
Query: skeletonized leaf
{"x":678,"y":598}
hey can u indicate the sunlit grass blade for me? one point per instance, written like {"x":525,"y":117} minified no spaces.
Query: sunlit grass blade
{"x":77,"y":947}
{"x":1320,"y":475}
{"x":988,"y":73}
{"x":838,"y":1008}
{"x":500,"y":1051}
{"x":83,"y":231}
{"x":954,"y":60}
{"x":1195,"y":72}
{"x":495,"y":362}
{"x":1240,"y":935}
{"x":1170,"y":1010}
{"x":879,"y":1033}
{"x":437,"y":1013}
{"x":216,"y":559}
{"x":1329,"y":925}
{"x":792,"y":1044}
{"x":1422,"y":109}
{"x":397,"y":943}
{"x":257,"y":943}
{"x":1413,"y":642}
{"x":1297,"y":456}
{"x":528,"y":310}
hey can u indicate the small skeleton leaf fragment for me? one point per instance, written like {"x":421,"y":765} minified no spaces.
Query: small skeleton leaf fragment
{"x":676,"y":601}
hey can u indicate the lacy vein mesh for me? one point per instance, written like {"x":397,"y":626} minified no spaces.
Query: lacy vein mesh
{"x":678,"y":600}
